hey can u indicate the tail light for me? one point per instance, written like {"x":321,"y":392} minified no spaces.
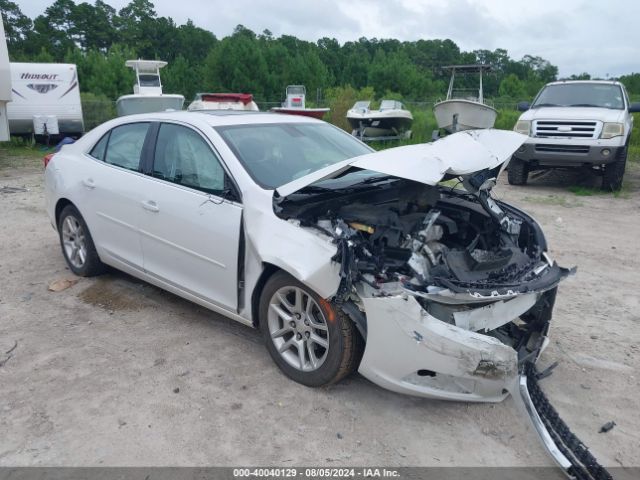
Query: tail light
{"x":47,"y":158}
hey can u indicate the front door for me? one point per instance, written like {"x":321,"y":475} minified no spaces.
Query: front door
{"x":190,"y":227}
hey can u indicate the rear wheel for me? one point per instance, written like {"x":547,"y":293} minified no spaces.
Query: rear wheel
{"x":518,"y":172}
{"x":312,"y":341}
{"x":614,"y":172}
{"x":77,"y":245}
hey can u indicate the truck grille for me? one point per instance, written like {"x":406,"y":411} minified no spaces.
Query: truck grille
{"x":575,"y":149}
{"x":565,"y":129}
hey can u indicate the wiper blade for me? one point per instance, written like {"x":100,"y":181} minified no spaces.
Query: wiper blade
{"x":545,"y":105}
{"x":585,"y":105}
{"x":378,"y":179}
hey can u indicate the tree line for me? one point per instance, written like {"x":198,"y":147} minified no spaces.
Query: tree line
{"x":98,"y":39}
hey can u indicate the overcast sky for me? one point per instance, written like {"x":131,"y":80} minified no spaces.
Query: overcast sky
{"x":595,"y":36}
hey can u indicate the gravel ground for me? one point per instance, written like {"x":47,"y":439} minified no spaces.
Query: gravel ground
{"x":112,"y":371}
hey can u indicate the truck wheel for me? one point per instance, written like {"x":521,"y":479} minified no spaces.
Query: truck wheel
{"x":518,"y":172}
{"x":614,"y":172}
{"x":312,"y":341}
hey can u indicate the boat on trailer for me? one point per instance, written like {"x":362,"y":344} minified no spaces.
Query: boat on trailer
{"x":464,"y":109}
{"x":223,"y":101}
{"x":391,"y":121}
{"x":147,"y":94}
{"x":295,"y":103}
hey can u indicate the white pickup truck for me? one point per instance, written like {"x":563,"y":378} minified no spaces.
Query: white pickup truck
{"x":580,"y":123}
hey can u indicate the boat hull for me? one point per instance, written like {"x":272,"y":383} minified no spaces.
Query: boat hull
{"x":379,"y":126}
{"x":470,"y":115}
{"x":132,"y":104}
{"x":305,"y":112}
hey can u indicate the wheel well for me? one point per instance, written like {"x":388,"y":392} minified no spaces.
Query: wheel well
{"x":63,"y":202}
{"x":267,"y":271}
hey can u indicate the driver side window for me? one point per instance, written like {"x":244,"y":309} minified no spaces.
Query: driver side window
{"x":183,"y":157}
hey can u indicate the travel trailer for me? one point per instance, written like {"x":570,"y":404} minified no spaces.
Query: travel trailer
{"x":5,"y":85}
{"x":46,"y":100}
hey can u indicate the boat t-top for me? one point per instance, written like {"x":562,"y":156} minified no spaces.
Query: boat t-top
{"x":295,"y":103}
{"x":223,"y":101}
{"x":147,"y":92}
{"x":391,"y":121}
{"x":464,"y":109}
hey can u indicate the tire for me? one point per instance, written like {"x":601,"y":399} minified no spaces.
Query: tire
{"x":77,"y":245}
{"x":283,"y":332}
{"x":518,"y":172}
{"x":614,"y":172}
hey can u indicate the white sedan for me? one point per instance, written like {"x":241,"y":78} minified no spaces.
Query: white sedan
{"x":344,"y":258}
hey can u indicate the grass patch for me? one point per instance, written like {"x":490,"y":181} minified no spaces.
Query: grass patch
{"x":19,"y":153}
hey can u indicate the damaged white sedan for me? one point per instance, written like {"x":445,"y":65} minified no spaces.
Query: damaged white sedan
{"x":290,"y":225}
{"x":343,"y":257}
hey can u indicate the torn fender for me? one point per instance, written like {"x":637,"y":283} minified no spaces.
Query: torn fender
{"x":411,"y":352}
{"x":304,"y":253}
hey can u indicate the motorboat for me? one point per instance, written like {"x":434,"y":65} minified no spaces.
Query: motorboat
{"x":147,"y":94}
{"x":295,"y":103}
{"x":391,"y":120}
{"x":464,"y":109}
{"x":223,"y":101}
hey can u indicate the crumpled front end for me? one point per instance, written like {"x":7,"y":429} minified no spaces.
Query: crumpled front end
{"x":477,"y":358}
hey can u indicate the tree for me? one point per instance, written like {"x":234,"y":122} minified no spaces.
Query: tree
{"x":16,"y":24}
{"x":511,"y":86}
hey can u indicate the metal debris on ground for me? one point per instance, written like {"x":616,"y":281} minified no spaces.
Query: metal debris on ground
{"x":547,"y":371}
{"x":62,"y":284}
{"x":607,"y":426}
{"x":7,"y":189}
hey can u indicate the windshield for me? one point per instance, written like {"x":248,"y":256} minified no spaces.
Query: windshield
{"x":277,"y":153}
{"x":149,"y":80}
{"x":600,"y":95}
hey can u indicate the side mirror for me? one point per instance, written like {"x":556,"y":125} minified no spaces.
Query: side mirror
{"x":523,"y":106}
{"x":634,"y":107}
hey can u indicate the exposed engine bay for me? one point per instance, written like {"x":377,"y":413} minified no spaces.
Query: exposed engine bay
{"x":453,"y":249}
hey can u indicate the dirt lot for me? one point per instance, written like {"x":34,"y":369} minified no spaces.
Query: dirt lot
{"x":113,"y":371}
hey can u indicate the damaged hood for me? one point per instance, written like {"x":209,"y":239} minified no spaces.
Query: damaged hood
{"x":458,"y":154}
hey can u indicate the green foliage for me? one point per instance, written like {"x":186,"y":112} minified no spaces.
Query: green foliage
{"x":99,"y":39}
{"x":96,"y":109}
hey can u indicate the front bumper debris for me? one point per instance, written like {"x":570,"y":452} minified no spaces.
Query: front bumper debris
{"x":566,"y":449}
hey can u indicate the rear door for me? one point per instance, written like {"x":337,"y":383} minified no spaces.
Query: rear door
{"x":190,"y":227}
{"x":113,"y":193}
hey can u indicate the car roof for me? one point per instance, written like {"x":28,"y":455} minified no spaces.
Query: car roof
{"x":217,"y":118}
{"x":606,"y":82}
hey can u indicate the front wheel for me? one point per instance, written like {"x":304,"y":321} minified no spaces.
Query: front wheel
{"x":614,"y":173}
{"x":311,"y":341}
{"x":518,"y":172}
{"x":77,"y":245}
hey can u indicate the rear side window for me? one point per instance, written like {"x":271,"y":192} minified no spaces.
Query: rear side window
{"x":124,"y":145}
{"x":100,"y":148}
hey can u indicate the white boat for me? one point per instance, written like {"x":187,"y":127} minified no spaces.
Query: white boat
{"x":464,"y":109}
{"x":295,"y":103}
{"x":391,"y":120}
{"x":223,"y":101}
{"x":147,"y":94}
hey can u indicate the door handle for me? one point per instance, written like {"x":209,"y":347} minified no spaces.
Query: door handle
{"x":89,"y":183}
{"x":150,"y":205}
